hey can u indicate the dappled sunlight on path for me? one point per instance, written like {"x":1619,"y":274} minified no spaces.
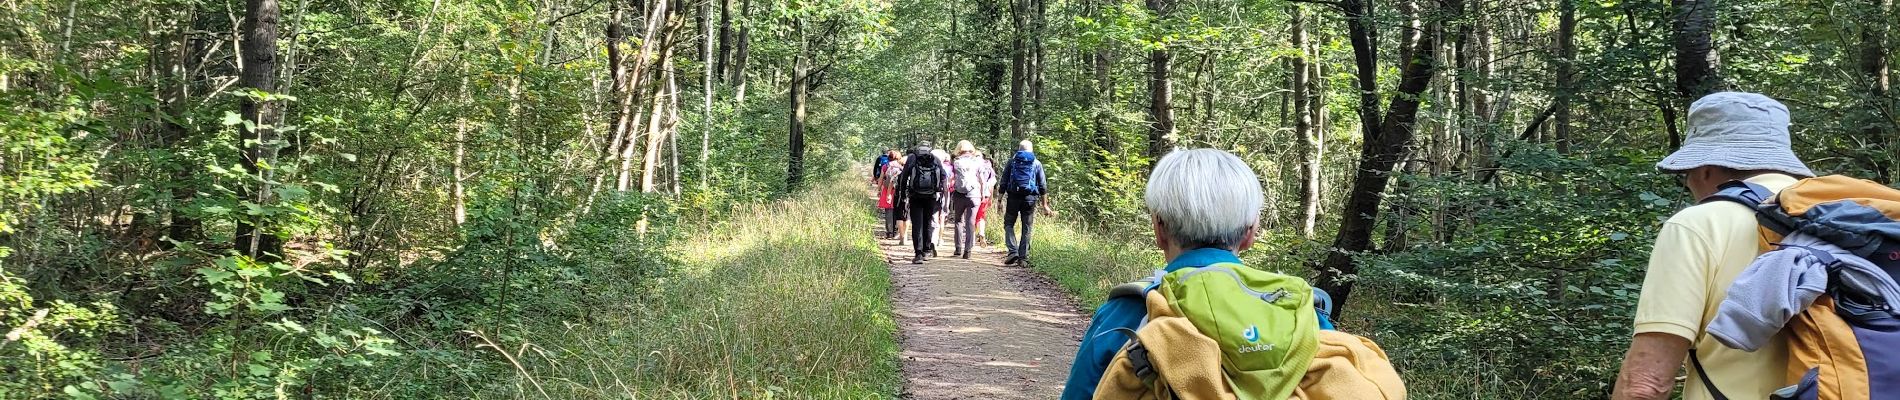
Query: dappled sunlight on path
{"x":975,"y":329}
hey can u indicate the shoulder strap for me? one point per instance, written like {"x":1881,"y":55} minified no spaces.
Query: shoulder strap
{"x":1696,"y":360}
{"x":1745,"y":193}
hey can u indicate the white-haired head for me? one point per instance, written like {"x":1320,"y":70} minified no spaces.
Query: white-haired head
{"x":1025,"y":146}
{"x":940,"y":154}
{"x":1204,"y":198}
{"x":965,"y":147}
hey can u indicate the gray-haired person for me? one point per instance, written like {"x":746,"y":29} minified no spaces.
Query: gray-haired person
{"x":1702,"y":249}
{"x":1205,"y":206}
{"x":1024,"y":184}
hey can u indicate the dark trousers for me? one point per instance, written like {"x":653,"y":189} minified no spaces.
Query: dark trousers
{"x":890,"y":220}
{"x":1023,"y":207}
{"x":922,"y":211}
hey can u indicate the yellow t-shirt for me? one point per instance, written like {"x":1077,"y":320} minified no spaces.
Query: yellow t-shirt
{"x":1698,"y":253}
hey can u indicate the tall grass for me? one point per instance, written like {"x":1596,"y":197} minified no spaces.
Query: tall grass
{"x":1087,"y":265}
{"x":788,"y":299}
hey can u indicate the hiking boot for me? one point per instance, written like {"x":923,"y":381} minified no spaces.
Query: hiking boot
{"x":966,"y":255}
{"x":919,"y":259}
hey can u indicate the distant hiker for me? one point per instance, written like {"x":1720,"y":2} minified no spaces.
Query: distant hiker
{"x":1700,"y":251}
{"x":877,"y":167}
{"x":989,"y":194}
{"x":943,"y":201}
{"x":1024,"y":184}
{"x":921,"y":183}
{"x":1247,"y":334}
{"x":888,"y":198}
{"x":973,"y":180}
{"x":901,"y":200}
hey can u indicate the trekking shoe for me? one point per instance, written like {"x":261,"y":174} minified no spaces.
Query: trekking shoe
{"x":966,"y":255}
{"x":919,"y":259}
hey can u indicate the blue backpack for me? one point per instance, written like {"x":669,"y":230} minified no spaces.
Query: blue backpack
{"x":1023,"y":171}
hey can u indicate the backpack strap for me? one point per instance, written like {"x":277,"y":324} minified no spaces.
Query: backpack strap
{"x":1745,"y":193}
{"x":1696,"y":360}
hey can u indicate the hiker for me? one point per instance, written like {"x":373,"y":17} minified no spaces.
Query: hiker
{"x":1205,"y":209}
{"x":1024,"y":184}
{"x":940,"y":219}
{"x":877,"y":167}
{"x":989,"y":194}
{"x":888,"y":198}
{"x":920,"y":183}
{"x":973,"y":181}
{"x":1702,"y":249}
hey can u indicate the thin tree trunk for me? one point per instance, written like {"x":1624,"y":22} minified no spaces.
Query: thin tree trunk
{"x":1381,"y":152}
{"x":1160,"y":91}
{"x":725,"y":40}
{"x":259,"y":137}
{"x":1698,"y":64}
{"x":744,"y":50}
{"x":657,"y":134}
{"x":795,"y":166}
{"x":1303,"y":125}
{"x":1566,"y":70}
{"x":706,"y":84}
{"x":1018,"y":56}
{"x":457,"y":193}
{"x":656,"y":21}
{"x":1874,"y":63}
{"x":174,"y":134}
{"x":673,"y":132}
{"x":619,"y":90}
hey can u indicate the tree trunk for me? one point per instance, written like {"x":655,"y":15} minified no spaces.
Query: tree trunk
{"x":1698,"y":64}
{"x":795,"y":166}
{"x":1103,"y":96}
{"x":179,"y":63}
{"x":657,"y":24}
{"x":725,"y":40}
{"x":1018,"y":65}
{"x":657,"y":116}
{"x":1160,"y":91}
{"x":620,"y":111}
{"x":1566,"y":70}
{"x":706,"y":86}
{"x":1303,"y":125}
{"x":1038,"y":27}
{"x":258,"y":138}
{"x":1874,"y":63}
{"x":1360,"y":32}
{"x":1383,"y":149}
{"x":458,"y":194}
{"x":744,"y":47}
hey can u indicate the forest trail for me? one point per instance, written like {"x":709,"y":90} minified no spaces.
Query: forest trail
{"x":976,"y":329}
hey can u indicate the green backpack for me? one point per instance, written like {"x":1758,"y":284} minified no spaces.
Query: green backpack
{"x":1263,"y":323}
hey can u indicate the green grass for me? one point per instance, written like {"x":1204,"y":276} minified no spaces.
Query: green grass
{"x":788,"y":300}
{"x":1087,"y":265}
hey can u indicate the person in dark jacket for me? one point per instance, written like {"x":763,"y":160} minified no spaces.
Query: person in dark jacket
{"x":1024,"y":184}
{"x":877,"y":167}
{"x":921,"y":183}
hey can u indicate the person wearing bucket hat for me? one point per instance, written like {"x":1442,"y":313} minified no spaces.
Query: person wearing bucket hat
{"x":1699,"y":251}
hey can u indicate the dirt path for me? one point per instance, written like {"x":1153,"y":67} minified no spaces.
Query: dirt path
{"x":975,"y":329}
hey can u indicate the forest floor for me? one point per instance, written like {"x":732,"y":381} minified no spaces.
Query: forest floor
{"x":976,"y":329}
